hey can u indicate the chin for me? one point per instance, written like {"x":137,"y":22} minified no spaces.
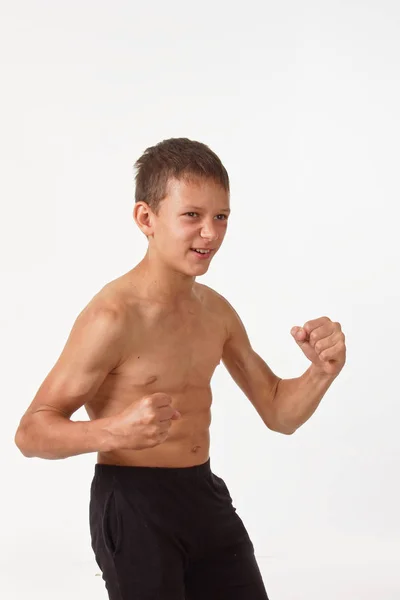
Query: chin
{"x":196,"y":270}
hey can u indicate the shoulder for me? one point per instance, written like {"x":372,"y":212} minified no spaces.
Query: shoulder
{"x":220,"y":306}
{"x":106,"y":306}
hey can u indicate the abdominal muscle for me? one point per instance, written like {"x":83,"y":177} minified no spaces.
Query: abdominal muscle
{"x":187,"y":444}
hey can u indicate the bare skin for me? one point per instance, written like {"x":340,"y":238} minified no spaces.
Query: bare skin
{"x":141,"y":355}
{"x":168,"y":351}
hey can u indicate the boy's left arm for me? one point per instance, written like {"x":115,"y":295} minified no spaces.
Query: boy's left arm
{"x":285,"y":404}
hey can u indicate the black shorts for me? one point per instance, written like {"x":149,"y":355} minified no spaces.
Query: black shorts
{"x":161,"y":533}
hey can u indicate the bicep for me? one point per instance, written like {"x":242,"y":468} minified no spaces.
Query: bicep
{"x":92,"y":350}
{"x":250,"y":372}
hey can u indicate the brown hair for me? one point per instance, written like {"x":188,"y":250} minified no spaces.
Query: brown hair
{"x":178,"y":158}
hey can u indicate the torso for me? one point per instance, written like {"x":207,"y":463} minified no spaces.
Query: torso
{"x":170,"y":351}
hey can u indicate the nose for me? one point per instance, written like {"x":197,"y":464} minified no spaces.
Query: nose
{"x":209,"y":232}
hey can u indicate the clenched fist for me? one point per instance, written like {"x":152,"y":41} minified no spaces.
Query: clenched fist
{"x":323,"y":343}
{"x":145,"y":423}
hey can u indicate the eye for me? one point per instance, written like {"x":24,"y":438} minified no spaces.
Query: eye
{"x":194,"y":213}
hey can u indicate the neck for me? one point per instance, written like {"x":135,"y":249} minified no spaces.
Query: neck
{"x":159,"y":282}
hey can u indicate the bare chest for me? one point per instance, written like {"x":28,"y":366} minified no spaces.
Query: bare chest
{"x":185,"y":354}
{"x":170,"y":354}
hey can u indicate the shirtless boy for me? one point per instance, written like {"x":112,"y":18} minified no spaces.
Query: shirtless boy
{"x":140,"y":357}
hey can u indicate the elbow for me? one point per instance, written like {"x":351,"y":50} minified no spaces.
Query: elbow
{"x":280,"y":426}
{"x":286,"y":428}
{"x":276,"y":421}
{"x":24,"y":440}
{"x":288,"y":431}
{"x":20,"y":440}
{"x":283,"y":429}
{"x":34,"y":440}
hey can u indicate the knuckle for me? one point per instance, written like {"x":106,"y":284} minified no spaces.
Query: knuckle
{"x":148,"y":418}
{"x":152,"y":431}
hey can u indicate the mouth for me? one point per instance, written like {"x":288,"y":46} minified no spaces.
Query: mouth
{"x":203,"y":252}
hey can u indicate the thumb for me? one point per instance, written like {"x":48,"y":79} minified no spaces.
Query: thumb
{"x":177,"y":415}
{"x":299,"y":334}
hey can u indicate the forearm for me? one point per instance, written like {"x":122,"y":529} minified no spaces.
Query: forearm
{"x":53,"y":436}
{"x":297,"y":399}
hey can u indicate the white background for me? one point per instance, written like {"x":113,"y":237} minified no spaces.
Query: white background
{"x":301,"y":102}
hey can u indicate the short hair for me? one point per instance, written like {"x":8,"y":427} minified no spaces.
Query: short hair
{"x":178,"y":158}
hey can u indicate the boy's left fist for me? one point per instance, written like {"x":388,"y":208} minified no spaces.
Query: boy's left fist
{"x":323,"y":343}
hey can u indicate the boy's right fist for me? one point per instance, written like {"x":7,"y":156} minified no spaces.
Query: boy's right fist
{"x":143,"y":424}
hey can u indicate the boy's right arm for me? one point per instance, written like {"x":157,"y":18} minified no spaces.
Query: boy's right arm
{"x":93,"y":349}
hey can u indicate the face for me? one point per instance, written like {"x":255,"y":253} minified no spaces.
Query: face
{"x":192,"y":217}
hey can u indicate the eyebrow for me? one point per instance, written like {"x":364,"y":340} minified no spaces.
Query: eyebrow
{"x":227,"y":210}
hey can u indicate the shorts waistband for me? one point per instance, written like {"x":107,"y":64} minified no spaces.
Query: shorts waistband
{"x":134,"y":471}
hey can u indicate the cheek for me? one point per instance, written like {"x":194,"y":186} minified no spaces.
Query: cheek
{"x":183,"y":232}
{"x":176,"y":236}
{"x":222,"y":230}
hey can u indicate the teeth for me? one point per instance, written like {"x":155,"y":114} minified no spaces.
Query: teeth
{"x":202,"y":251}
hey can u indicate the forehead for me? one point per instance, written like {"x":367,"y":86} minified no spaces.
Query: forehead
{"x":199,"y":192}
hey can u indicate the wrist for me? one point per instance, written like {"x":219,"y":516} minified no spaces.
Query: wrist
{"x":108,"y":440}
{"x":320,"y":375}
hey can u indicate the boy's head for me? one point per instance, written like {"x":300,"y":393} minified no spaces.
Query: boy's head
{"x":182,"y":202}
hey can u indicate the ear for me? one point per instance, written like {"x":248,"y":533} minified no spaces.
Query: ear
{"x":144,"y":218}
